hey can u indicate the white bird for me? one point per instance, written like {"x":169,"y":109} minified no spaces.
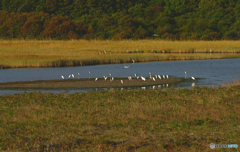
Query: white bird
{"x":96,"y":79}
{"x":137,"y":77}
{"x":167,"y":76}
{"x":78,"y":75}
{"x":110,"y":74}
{"x":69,"y":76}
{"x":144,"y":79}
{"x":72,"y":75}
{"x":185,"y":72}
{"x":105,"y":78}
{"x":135,"y":74}
{"x":133,"y":61}
{"x":122,"y":81}
{"x":153,"y":87}
{"x":143,"y":88}
{"x":150,"y":75}
{"x":105,"y":51}
{"x":89,"y":74}
{"x":126,"y":67}
{"x":62,"y":77}
{"x":112,"y":78}
{"x":153,"y":79}
{"x":193,"y":78}
{"x":129,"y":78}
{"x":163,"y":76}
{"x":159,"y":77}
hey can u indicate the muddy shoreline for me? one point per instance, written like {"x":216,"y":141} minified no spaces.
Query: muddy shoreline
{"x":85,"y":83}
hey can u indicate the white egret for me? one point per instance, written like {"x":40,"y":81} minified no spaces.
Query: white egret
{"x":193,"y":78}
{"x":126,"y":67}
{"x":143,"y":88}
{"x":153,"y":79}
{"x":135,"y":74}
{"x":129,"y":78}
{"x":89,"y":74}
{"x":167,"y":76}
{"x":62,"y":76}
{"x":105,"y":78}
{"x":122,"y":81}
{"x":69,"y":76}
{"x":96,"y":79}
{"x":153,"y":87}
{"x":137,"y":77}
{"x":105,"y":51}
{"x":133,"y":61}
{"x":159,"y":77}
{"x":72,"y":75}
{"x":112,"y":78}
{"x":163,"y":76}
{"x":156,"y":76}
{"x":144,"y":79}
{"x":78,"y":75}
{"x":110,"y":74}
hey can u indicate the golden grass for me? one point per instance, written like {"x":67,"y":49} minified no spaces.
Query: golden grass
{"x":34,"y":53}
{"x":129,"y":120}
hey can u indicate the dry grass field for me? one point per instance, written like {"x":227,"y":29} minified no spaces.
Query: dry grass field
{"x":34,"y":53}
{"x":128,"y":120}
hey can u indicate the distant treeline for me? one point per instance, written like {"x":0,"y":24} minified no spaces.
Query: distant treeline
{"x":120,"y":19}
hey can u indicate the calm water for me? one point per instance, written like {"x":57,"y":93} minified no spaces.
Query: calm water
{"x":207,"y":73}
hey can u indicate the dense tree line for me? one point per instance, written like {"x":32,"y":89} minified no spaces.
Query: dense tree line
{"x":120,"y":19}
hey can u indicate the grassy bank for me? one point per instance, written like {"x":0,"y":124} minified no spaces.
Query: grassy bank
{"x":20,"y":54}
{"x":152,"y":120}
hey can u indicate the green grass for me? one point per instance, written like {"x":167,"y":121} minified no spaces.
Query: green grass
{"x":129,"y":120}
{"x":33,"y":53}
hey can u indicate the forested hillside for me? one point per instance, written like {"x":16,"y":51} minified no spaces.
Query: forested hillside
{"x":120,"y":19}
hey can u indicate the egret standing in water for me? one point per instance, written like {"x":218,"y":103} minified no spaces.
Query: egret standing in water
{"x":159,"y":77}
{"x":69,"y":76}
{"x":133,"y":61}
{"x":150,"y":75}
{"x":185,"y":74}
{"x":72,"y":76}
{"x":89,"y":74}
{"x":62,"y":76}
{"x":163,"y":76}
{"x":78,"y":75}
{"x":193,"y":78}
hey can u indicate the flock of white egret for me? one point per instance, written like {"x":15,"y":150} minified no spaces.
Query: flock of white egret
{"x":154,"y":78}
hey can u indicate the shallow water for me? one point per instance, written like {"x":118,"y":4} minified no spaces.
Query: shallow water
{"x":207,"y":73}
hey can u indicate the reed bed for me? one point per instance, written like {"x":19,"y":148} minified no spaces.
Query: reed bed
{"x":49,"y":53}
{"x":129,"y":120}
